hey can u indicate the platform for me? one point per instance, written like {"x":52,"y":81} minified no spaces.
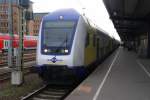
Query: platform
{"x":123,"y":76}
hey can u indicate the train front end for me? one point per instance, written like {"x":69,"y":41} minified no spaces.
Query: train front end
{"x":56,"y":53}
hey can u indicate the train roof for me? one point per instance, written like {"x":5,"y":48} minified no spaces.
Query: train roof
{"x":67,"y":14}
{"x":72,"y":14}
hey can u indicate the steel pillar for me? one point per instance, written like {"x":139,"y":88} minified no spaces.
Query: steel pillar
{"x":17,"y":77}
{"x":10,"y":29}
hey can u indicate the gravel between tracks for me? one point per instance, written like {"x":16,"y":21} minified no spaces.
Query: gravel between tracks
{"x":9,"y":92}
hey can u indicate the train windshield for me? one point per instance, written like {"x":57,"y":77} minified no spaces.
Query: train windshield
{"x":58,"y":33}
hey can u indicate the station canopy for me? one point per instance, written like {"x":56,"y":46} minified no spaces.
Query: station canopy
{"x":131,"y":18}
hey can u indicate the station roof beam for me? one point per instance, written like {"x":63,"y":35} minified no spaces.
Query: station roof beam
{"x":129,"y":16}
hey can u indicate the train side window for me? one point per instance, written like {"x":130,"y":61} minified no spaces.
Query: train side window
{"x":6,"y":44}
{"x":87,"y":39}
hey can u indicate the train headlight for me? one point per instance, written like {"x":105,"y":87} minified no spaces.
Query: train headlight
{"x":61,"y":17}
{"x":45,"y":50}
{"x":66,"y":51}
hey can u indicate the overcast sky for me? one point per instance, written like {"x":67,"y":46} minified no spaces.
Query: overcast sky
{"x":93,"y":9}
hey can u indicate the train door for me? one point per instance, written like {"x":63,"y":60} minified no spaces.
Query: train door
{"x":6,"y":44}
{"x":98,"y":49}
{"x":101,"y":48}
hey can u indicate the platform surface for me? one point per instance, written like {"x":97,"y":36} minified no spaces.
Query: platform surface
{"x":122,"y":76}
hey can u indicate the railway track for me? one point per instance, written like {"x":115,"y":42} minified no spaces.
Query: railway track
{"x":26,"y":57}
{"x":4,"y":76}
{"x":7,"y":75}
{"x":50,"y":92}
{"x":24,"y":52}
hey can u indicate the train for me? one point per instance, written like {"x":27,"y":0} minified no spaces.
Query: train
{"x":29,"y":42}
{"x":69,"y":46}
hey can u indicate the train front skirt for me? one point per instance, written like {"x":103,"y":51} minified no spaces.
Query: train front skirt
{"x":51,"y":73}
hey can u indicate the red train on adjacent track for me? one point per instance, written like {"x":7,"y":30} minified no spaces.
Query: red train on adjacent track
{"x":29,"y":42}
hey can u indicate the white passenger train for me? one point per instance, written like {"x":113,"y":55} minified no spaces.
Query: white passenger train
{"x":68,"y":45}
